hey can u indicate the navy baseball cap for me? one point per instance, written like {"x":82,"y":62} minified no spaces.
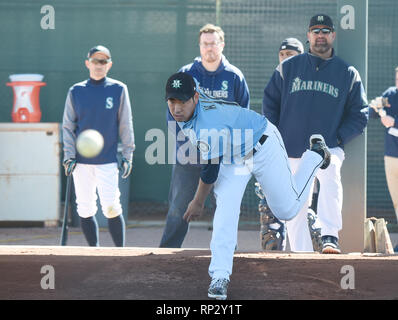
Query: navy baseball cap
{"x":180,"y":86}
{"x":101,"y":49}
{"x":321,"y":20}
{"x":292,"y":44}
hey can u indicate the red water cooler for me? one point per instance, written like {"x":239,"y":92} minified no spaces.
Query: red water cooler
{"x":26,"y":88}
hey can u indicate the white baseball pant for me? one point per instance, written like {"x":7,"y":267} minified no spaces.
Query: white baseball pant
{"x":330,"y":203}
{"x":285,"y":194}
{"x":88,"y":178}
{"x":391,"y":170}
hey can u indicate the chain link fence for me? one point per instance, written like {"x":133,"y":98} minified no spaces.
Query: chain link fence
{"x":150,"y":39}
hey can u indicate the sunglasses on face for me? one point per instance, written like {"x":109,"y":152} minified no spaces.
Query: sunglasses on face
{"x":323,"y":30}
{"x":99,"y":61}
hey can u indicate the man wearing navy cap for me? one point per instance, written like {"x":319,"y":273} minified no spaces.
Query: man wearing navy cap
{"x":219,"y":79}
{"x":317,"y":92}
{"x":103,"y":104}
{"x":273,"y":231}
{"x":234,"y":144}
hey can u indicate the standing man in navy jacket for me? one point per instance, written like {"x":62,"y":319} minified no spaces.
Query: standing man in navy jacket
{"x":103,"y":104}
{"x":221,"y":80}
{"x":389,"y":119}
{"x":317,"y":92}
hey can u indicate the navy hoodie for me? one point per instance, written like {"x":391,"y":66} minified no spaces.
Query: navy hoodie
{"x":309,"y":95}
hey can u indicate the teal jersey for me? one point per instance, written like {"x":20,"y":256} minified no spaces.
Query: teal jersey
{"x":222,"y":129}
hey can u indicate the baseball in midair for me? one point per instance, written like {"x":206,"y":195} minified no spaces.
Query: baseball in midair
{"x":89,"y":143}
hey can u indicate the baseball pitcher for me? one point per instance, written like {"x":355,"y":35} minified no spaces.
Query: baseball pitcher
{"x":236,"y":143}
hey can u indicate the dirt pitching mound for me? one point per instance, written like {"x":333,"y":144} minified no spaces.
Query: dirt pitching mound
{"x":169,"y":274}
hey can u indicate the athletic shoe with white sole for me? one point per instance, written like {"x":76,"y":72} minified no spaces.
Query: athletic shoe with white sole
{"x":218,"y":289}
{"x":330,"y":244}
{"x":318,"y":145}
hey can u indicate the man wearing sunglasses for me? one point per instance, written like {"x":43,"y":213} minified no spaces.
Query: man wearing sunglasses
{"x":103,"y":104}
{"x":317,"y":92}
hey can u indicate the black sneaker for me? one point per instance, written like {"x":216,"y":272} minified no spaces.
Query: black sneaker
{"x":318,"y":145}
{"x":218,"y":289}
{"x":330,"y":244}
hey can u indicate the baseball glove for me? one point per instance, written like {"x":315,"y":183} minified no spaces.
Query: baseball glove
{"x":273,"y":231}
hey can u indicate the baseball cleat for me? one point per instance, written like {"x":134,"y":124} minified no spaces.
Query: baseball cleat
{"x":218,"y":289}
{"x":318,"y":145}
{"x":330,"y":245}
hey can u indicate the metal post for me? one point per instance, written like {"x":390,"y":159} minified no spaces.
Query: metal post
{"x":352,"y":46}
